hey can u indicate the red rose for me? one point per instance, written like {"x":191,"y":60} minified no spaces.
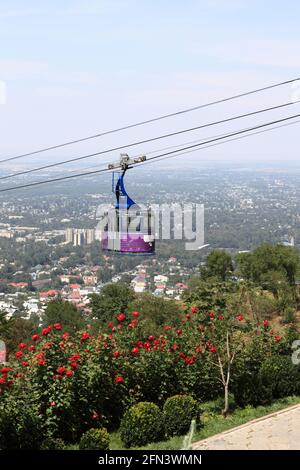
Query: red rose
{"x":213,"y":349}
{"x":135,"y":350}
{"x":135,"y":314}
{"x":65,"y":335}
{"x":182,"y":355}
{"x":31,"y":348}
{"x":121,"y":317}
{"x":198,"y":349}
{"x":46,"y":331}
{"x":57,"y":326}
{"x":156,"y":341}
{"x":120,"y":326}
{"x":85,"y":336}
{"x":119,"y":379}
{"x":18,"y":354}
{"x":61,"y":370}
{"x":194,"y":309}
{"x":211,"y":314}
{"x":110,"y":324}
{"x":95,"y":416}
{"x":69,"y":373}
{"x":239,"y":317}
{"x":41,"y":362}
{"x":277,"y":338}
{"x":35,"y":337}
{"x":75,"y":357}
{"x":117,"y":354}
{"x":221,"y":317}
{"x":2,"y":381}
{"x":22,"y":346}
{"x":189,"y":360}
{"x":74,"y":365}
{"x":25,"y":364}
{"x":266,"y":323}
{"x":179,"y":332}
{"x":167,"y":328}
{"x":40,"y":355}
{"x":5,"y":370}
{"x":151,"y":338}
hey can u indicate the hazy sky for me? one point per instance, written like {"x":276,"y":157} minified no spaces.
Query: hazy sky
{"x":73,"y":68}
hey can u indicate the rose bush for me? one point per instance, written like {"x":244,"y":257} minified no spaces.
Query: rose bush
{"x":63,"y":384}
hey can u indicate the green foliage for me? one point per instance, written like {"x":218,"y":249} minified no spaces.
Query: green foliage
{"x":280,"y":376}
{"x":270,"y":265}
{"x":65,"y":313}
{"x":113,"y":299}
{"x":218,"y":265}
{"x":94,"y":439}
{"x":52,"y":443}
{"x":179,"y":411}
{"x":141,"y":424}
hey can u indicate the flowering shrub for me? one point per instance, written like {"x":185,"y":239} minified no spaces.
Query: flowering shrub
{"x":141,"y":424}
{"x":61,"y":384}
{"x":179,"y":411}
{"x":94,"y":439}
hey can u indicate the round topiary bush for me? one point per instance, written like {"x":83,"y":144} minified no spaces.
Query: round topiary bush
{"x":52,"y":443}
{"x":94,"y":439}
{"x":179,"y":411}
{"x":141,"y":424}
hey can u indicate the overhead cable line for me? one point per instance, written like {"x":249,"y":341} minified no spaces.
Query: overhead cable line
{"x":152,"y":139}
{"x":171,"y":153}
{"x":149,"y":121}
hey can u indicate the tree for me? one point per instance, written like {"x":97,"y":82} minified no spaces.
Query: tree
{"x":218,"y":265}
{"x":65,"y":313}
{"x":17,"y":330}
{"x":113,"y":299}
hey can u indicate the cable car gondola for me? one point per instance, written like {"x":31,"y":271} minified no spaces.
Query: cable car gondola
{"x":129,"y":228}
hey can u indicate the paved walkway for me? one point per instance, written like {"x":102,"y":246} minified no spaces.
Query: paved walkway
{"x":278,"y":431}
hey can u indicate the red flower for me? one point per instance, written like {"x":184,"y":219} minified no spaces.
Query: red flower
{"x":119,"y":379}
{"x":135,"y":314}
{"x":151,"y":338}
{"x":22,"y":346}
{"x":182,"y":355}
{"x":121,"y":317}
{"x":85,"y":336}
{"x":198,"y":349}
{"x":212,"y":349}
{"x":61,"y":370}
{"x":75,"y":357}
{"x":65,"y":335}
{"x":110,"y":324}
{"x":40,"y":355}
{"x":221,"y":317}
{"x":277,"y":338}
{"x":31,"y":348}
{"x":211,"y":314}
{"x":117,"y":354}
{"x":188,"y":316}
{"x":135,"y":350}
{"x":46,"y":331}
{"x":167,"y":328}
{"x":74,"y":365}
{"x":156,"y":341}
{"x":18,"y":354}
{"x":69,"y":373}
{"x":194,"y":309}
{"x":2,"y":381}
{"x":179,"y":332}
{"x":25,"y":364}
{"x":41,"y":362}
{"x":120,"y":326}
{"x":266,"y":323}
{"x":189,"y":360}
{"x":239,"y":317}
{"x":53,"y":403}
{"x":5,"y":370}
{"x":57,"y":326}
{"x":35,"y":337}
{"x":95,"y":416}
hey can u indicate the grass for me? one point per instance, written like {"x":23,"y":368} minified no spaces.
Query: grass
{"x":214,"y":423}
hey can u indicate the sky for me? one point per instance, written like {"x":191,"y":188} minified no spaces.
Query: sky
{"x":76,"y":68}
